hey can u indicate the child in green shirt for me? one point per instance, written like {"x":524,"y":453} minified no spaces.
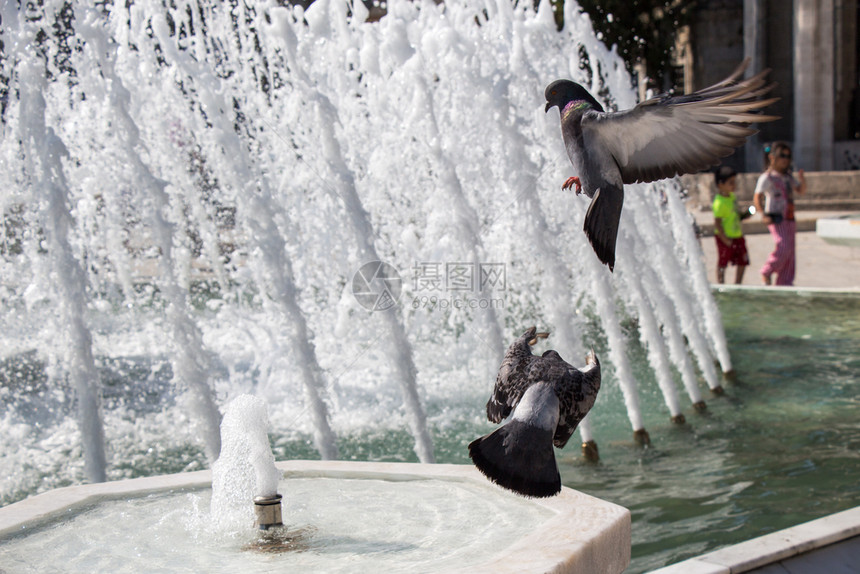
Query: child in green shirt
{"x":731,"y":246}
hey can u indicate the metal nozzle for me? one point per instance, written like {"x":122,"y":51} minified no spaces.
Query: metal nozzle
{"x":268,"y":511}
{"x":641,"y":437}
{"x":589,"y":451}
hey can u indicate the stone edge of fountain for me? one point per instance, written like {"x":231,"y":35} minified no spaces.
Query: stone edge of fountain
{"x":777,"y":547}
{"x":585,"y":534}
{"x":801,"y":291}
{"x":839,"y":230}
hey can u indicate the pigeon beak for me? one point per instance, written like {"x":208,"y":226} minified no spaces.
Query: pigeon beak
{"x":548,"y":106}
{"x":533,"y":341}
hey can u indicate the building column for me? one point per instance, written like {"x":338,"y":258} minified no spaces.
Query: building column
{"x":813,"y":84}
{"x":755,"y":50}
{"x":755,"y":35}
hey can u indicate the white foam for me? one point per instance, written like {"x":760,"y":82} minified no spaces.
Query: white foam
{"x":246,"y":467}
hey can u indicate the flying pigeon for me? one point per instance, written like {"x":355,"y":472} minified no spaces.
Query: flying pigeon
{"x":549,"y":398}
{"x":661,"y":137}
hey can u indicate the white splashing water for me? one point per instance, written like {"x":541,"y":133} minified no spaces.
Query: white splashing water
{"x":44,"y":153}
{"x":227,"y":172}
{"x":674,"y":275}
{"x":708,"y":308}
{"x":246,"y":467}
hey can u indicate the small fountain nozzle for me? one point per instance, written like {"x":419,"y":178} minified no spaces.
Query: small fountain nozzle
{"x":268,"y":511}
{"x":641,"y":437}
{"x":589,"y":451}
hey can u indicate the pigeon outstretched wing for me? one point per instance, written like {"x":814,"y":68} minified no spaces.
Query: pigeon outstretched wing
{"x":662,"y":137}
{"x":671,"y":135}
{"x":577,"y":397}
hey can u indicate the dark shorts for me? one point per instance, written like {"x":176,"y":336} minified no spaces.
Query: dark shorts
{"x":736,"y":253}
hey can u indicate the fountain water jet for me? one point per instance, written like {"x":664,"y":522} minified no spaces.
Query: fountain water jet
{"x":652,"y":340}
{"x":44,"y":151}
{"x":341,"y":180}
{"x":467,"y":221}
{"x":256,"y":205}
{"x":245,"y":471}
{"x":191,"y":361}
{"x":674,"y":278}
{"x":686,"y":238}
{"x":661,"y":305}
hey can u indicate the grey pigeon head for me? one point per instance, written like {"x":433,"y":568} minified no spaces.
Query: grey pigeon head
{"x":562,"y":92}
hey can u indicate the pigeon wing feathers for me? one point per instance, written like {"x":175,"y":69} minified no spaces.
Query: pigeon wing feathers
{"x":567,"y":382}
{"x":569,"y":391}
{"x":565,"y":428}
{"x":548,"y":367}
{"x":511,"y":382}
{"x":670,"y":135}
{"x":576,"y":399}
{"x":497,"y":407}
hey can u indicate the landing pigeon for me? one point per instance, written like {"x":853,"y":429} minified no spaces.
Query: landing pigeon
{"x":661,"y":137}
{"x":549,"y":398}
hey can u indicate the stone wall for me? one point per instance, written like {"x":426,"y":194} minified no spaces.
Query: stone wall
{"x":826,"y":190}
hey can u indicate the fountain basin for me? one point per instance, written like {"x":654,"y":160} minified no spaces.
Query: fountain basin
{"x":841,"y":230}
{"x":831,"y":543}
{"x":571,"y":532}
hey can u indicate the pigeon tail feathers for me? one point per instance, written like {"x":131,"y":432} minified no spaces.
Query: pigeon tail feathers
{"x":601,"y":223}
{"x":519,"y":457}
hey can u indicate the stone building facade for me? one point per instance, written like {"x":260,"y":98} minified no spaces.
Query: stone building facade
{"x":813,"y":51}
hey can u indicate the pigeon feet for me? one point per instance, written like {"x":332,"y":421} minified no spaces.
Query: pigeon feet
{"x":571,"y":181}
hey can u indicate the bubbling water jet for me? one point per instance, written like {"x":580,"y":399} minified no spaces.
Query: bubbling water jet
{"x":246,"y":470}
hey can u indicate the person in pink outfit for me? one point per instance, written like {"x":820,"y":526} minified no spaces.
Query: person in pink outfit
{"x":774,"y":199}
